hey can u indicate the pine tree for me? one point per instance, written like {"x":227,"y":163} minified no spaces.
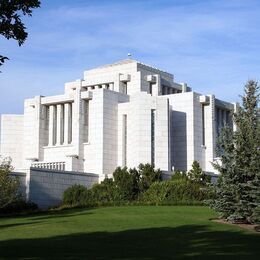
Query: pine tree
{"x":247,"y":154}
{"x":223,"y":193}
{"x":237,"y":192}
{"x":197,"y":175}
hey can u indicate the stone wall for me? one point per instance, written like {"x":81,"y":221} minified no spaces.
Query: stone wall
{"x":46,"y":187}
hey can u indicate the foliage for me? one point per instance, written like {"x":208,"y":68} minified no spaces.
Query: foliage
{"x":126,"y":187}
{"x":9,"y":186}
{"x":197,"y":175}
{"x":179,"y":175}
{"x":104,"y":192}
{"x":127,"y":183}
{"x":179,"y":191}
{"x":237,"y":193}
{"x":148,"y":175}
{"x":74,"y":194}
{"x":11,"y":25}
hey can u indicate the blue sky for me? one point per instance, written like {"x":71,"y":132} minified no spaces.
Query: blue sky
{"x":213,"y":45}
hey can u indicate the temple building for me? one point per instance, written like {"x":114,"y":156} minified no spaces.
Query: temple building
{"x":121,"y":114}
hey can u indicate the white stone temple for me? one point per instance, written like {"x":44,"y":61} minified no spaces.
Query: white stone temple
{"x":121,"y":114}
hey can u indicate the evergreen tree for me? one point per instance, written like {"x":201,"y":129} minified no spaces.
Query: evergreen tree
{"x":247,"y":154}
{"x":237,"y":192}
{"x":223,"y":193}
{"x":197,"y":175}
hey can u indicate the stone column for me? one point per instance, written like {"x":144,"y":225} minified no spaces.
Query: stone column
{"x":51,"y":125}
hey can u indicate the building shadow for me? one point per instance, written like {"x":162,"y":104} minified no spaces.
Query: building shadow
{"x":183,"y":242}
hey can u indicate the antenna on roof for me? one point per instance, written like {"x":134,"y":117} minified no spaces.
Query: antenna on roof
{"x":129,"y":55}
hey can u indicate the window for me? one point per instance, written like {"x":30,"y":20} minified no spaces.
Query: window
{"x":86,"y":119}
{"x":163,"y":90}
{"x":62,"y":124}
{"x":54,"y":125}
{"x":151,"y":88}
{"x":46,"y":117}
{"x":70,"y":107}
{"x":203,"y":123}
{"x":124,"y":88}
{"x":152,"y":136}
{"x":124,"y":139}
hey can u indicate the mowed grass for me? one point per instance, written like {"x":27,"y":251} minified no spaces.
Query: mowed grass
{"x":134,"y":232}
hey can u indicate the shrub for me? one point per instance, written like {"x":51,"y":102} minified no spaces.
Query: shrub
{"x":74,"y":195}
{"x":125,"y":188}
{"x":9,"y":186}
{"x":174,"y":192}
{"x":105,"y":192}
{"x":148,"y":175}
{"x":127,"y":183}
{"x":179,"y":175}
{"x":197,"y":175}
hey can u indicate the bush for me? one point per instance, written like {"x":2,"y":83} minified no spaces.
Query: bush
{"x":197,"y":175}
{"x":179,"y":175}
{"x":126,"y":183}
{"x":74,"y":195}
{"x":9,"y":186}
{"x":174,"y":192}
{"x":105,"y":192}
{"x":148,"y":175}
{"x":125,"y":188}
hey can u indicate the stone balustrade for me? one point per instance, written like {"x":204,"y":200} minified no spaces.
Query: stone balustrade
{"x":49,"y":165}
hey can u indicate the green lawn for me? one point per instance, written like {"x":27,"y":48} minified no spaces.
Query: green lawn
{"x":163,"y":232}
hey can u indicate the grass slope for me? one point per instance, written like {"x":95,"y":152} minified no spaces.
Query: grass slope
{"x":163,"y":232}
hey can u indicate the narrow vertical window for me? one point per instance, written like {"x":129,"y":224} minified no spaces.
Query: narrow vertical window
{"x":163,"y":90}
{"x":86,"y":119}
{"x":62,"y":124}
{"x":151,"y":88}
{"x":203,"y":123}
{"x":124,"y":140}
{"x":46,"y":118}
{"x":124,"y":88}
{"x":70,"y":123}
{"x":54,"y":125}
{"x":152,"y":136}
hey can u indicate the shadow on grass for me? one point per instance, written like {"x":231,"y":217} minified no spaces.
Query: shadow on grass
{"x":18,"y":224}
{"x":184,"y":242}
{"x":65,"y":213}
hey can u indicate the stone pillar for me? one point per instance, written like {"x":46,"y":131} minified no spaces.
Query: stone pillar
{"x":51,"y":125}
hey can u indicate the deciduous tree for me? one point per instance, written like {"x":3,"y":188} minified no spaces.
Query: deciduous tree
{"x":8,"y":185}
{"x":11,"y":25}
